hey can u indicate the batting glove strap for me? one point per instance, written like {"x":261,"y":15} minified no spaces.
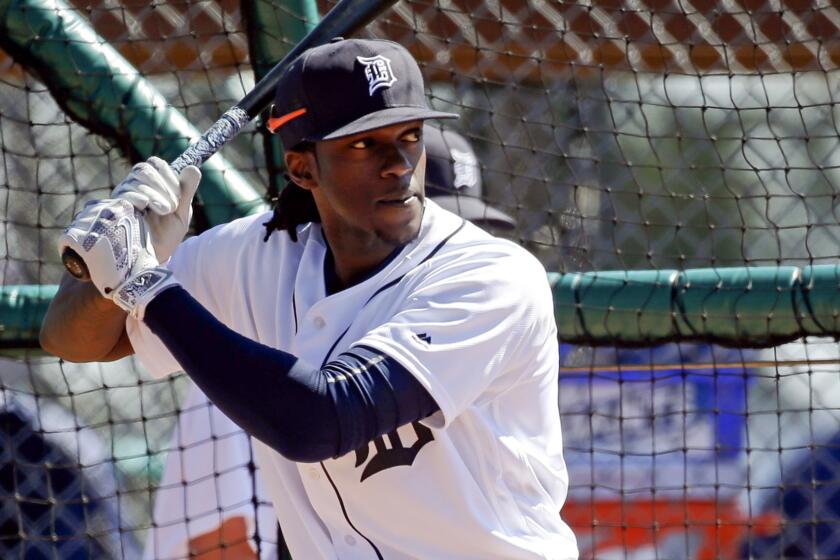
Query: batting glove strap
{"x":137,"y":292}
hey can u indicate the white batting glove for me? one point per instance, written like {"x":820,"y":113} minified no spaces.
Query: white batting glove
{"x":111,"y":237}
{"x":164,"y":198}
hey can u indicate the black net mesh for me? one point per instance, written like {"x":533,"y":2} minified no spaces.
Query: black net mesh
{"x":619,"y":135}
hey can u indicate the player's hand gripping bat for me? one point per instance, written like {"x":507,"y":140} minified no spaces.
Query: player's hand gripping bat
{"x":347,"y":17}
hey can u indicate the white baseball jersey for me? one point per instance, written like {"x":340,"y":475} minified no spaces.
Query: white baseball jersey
{"x":471,"y":317}
{"x":207,"y":479}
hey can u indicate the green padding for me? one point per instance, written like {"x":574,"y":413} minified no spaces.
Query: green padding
{"x":21,"y":310}
{"x":757,"y":306}
{"x":750,"y":306}
{"x":623,"y":307}
{"x":818,"y":301}
{"x":273,"y":28}
{"x":738,"y":304}
{"x":97,"y":87}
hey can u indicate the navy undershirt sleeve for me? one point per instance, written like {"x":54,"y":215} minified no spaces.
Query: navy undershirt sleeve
{"x":305,"y":413}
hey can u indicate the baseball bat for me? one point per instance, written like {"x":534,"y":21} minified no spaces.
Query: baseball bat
{"x":347,"y":17}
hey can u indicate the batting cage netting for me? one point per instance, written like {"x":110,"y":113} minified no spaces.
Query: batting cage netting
{"x":674,"y":165}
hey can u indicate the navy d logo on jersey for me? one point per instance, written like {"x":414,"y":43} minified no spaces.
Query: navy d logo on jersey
{"x":394,"y":452}
{"x":378,"y":72}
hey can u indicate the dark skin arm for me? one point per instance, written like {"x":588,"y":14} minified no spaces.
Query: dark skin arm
{"x":82,"y":326}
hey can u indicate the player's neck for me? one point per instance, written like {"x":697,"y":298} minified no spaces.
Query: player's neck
{"x":354,"y":262}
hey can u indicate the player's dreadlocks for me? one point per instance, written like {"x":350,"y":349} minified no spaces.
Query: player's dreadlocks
{"x":294,"y":206}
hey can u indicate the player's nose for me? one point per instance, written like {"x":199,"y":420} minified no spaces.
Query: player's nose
{"x":396,"y":162}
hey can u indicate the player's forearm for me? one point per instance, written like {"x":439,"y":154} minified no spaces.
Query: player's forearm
{"x":305,"y":413}
{"x":82,"y":326}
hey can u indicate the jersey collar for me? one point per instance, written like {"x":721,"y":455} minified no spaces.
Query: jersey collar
{"x":437,"y":224}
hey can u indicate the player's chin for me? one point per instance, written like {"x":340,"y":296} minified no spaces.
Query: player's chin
{"x":399,"y":225}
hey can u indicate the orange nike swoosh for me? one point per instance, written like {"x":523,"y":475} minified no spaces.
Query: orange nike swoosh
{"x":276,"y":122}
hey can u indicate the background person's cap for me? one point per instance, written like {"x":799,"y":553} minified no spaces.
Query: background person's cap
{"x":453,"y":178}
{"x":348,"y":86}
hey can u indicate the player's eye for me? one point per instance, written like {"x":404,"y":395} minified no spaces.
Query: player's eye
{"x":413,"y":135}
{"x":362,"y":144}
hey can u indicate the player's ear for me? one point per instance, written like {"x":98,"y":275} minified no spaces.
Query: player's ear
{"x":301,"y":168}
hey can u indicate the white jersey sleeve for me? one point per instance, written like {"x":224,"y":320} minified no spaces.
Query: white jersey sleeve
{"x":472,"y":327}
{"x":208,"y":266}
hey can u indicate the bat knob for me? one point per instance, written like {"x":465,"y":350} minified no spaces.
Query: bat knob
{"x":75,"y":265}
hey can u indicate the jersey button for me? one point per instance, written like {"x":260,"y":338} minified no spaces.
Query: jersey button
{"x":350,"y":540}
{"x":314,"y":474}
{"x":319,"y":322}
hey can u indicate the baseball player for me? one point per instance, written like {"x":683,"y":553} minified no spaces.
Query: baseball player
{"x":396,"y":365}
{"x":453,"y":179}
{"x":210,"y":491}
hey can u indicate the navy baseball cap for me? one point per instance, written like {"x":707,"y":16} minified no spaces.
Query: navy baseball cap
{"x":453,"y":178}
{"x":348,"y":86}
